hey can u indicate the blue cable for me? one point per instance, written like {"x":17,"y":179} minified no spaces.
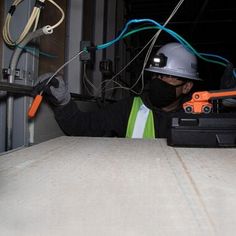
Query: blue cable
{"x":32,"y":50}
{"x":221,"y":58}
{"x":173,"y":34}
{"x":102,"y":46}
{"x":216,"y":56}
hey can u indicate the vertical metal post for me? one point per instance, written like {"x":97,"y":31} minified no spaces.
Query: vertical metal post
{"x":73,"y":38}
{"x":9,"y":118}
{"x":2,"y":100}
{"x":98,"y":39}
{"x":122,"y":55}
{"x":111,"y":28}
{"x":16,"y":121}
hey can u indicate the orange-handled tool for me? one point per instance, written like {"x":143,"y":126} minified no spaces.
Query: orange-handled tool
{"x":200,"y":100}
{"x":37,"y":100}
{"x":35,"y":105}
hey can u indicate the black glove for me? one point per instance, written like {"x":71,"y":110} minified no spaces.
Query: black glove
{"x":56,"y":92}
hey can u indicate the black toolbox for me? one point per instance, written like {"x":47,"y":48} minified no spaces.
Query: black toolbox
{"x":202,"y":130}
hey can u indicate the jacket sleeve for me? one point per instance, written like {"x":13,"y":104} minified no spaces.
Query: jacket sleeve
{"x":109,"y":121}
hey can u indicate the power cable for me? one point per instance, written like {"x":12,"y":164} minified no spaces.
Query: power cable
{"x":87,"y":81}
{"x":60,"y":68}
{"x":32,"y":22}
{"x":152,"y":41}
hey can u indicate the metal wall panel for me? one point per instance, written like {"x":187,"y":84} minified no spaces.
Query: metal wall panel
{"x":44,"y":126}
{"x":108,"y":22}
{"x":74,"y":36}
{"x":27,"y":63}
{"x":99,"y":38}
{"x":2,"y":107}
{"x":2,"y":125}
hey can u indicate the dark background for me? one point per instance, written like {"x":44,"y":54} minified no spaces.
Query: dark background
{"x":208,"y":25}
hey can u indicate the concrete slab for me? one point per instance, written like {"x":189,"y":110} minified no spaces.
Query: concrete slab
{"x":109,"y":186}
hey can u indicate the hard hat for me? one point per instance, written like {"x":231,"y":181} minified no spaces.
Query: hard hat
{"x":173,"y":59}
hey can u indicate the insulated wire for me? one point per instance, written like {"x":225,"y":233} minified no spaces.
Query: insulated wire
{"x":86,"y":80}
{"x":32,"y":51}
{"x":203,"y":56}
{"x":60,"y":68}
{"x":123,"y":69}
{"x":85,"y":51}
{"x":36,"y":21}
{"x":172,"y":33}
{"x":200,"y":55}
{"x":33,"y":20}
{"x":191,"y":49}
{"x":62,"y":14}
{"x":153,"y":40}
{"x":186,"y":44}
{"x":152,"y":45}
{"x":119,"y":85}
{"x":216,"y":56}
{"x":138,"y":30}
{"x":107,"y":81}
{"x":135,"y":21}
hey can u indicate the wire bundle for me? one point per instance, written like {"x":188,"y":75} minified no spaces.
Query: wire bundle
{"x":122,"y":35}
{"x":204,"y":56}
{"x":31,"y":24}
{"x":169,"y":31}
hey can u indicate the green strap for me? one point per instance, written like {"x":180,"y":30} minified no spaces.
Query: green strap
{"x":149,"y":130}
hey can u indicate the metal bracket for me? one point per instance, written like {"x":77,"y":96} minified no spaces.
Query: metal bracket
{"x":18,"y":73}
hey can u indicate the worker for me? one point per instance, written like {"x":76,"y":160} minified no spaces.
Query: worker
{"x":173,"y":71}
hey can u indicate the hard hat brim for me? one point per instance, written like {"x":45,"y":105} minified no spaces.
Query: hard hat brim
{"x":173,"y":73}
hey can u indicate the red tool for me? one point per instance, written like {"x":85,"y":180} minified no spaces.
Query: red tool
{"x":200,"y":100}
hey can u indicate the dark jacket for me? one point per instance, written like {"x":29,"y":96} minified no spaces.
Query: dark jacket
{"x":110,"y":121}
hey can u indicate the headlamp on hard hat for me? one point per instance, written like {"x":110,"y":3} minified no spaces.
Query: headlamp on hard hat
{"x":159,"y":60}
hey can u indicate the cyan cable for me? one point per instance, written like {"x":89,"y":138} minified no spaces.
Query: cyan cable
{"x":32,"y":50}
{"x":203,"y":56}
{"x":159,"y":26}
{"x":175,"y":35}
{"x":185,"y":44}
{"x":139,"y":29}
{"x":221,"y":58}
{"x":191,"y":49}
{"x":216,"y":56}
{"x":102,"y":46}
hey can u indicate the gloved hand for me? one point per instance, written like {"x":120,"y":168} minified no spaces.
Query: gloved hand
{"x":56,"y":91}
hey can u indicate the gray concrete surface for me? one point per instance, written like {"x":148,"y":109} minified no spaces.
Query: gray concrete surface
{"x":117,"y":187}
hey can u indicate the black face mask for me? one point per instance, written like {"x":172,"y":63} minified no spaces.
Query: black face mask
{"x":162,"y":94}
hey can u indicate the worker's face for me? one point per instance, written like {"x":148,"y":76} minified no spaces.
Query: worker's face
{"x":182,"y":87}
{"x":165,"y":90}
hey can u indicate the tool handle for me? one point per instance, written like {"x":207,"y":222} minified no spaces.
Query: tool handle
{"x":34,"y":106}
{"x":206,"y":95}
